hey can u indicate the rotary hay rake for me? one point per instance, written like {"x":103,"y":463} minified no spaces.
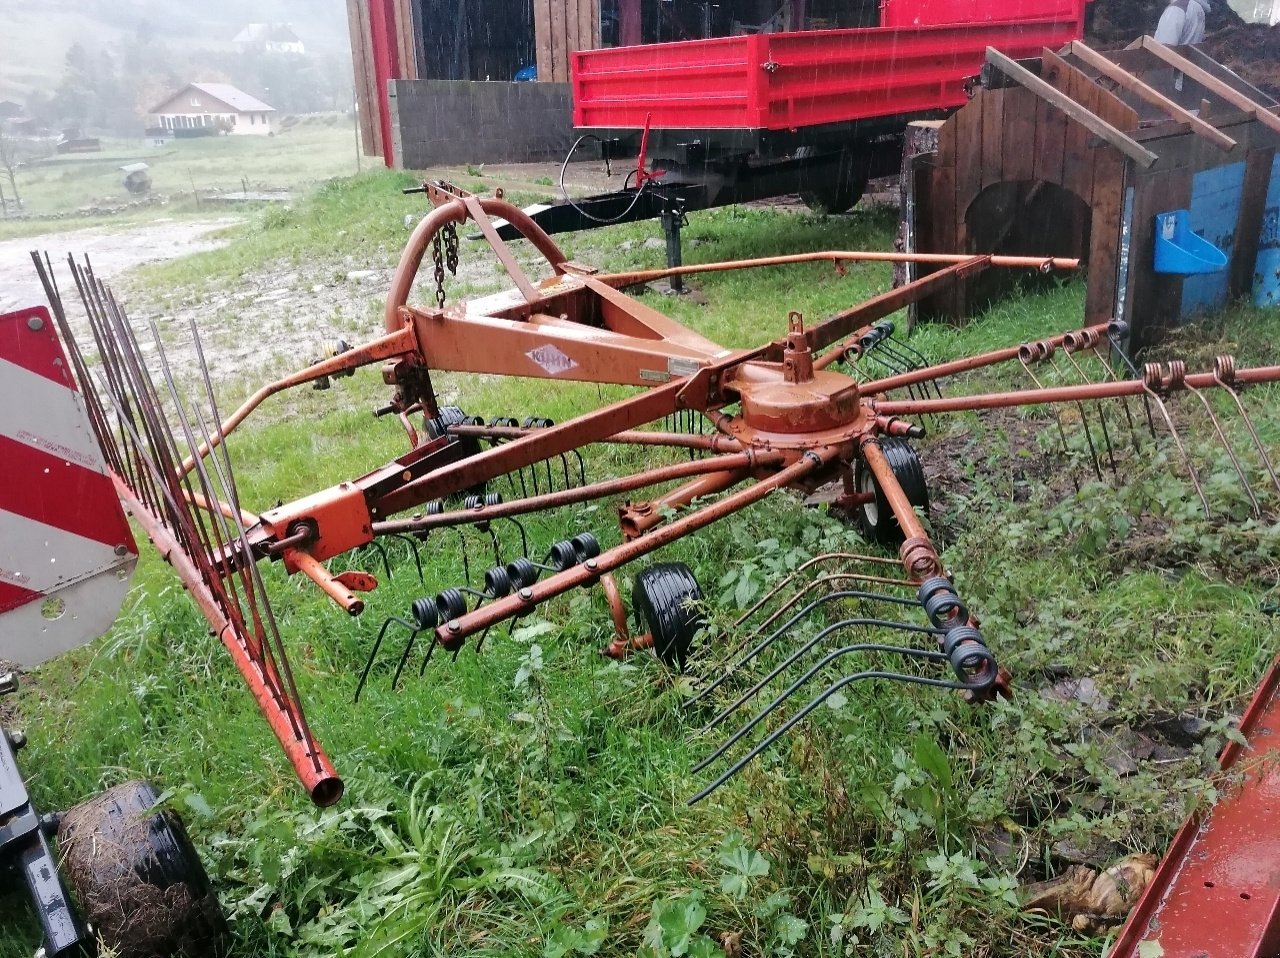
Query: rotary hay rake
{"x":777,"y":416}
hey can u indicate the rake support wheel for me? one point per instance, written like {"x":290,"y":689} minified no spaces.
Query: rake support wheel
{"x":138,"y":879}
{"x":666,"y":598}
{"x":876,"y":519}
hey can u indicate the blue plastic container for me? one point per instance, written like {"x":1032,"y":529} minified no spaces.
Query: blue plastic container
{"x":1180,"y":251}
{"x":1266,"y":286}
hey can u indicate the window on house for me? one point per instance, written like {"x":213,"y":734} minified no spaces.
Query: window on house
{"x":195,"y":101}
{"x":253,"y":119}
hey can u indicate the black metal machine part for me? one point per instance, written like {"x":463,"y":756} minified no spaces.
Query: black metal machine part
{"x":24,"y":842}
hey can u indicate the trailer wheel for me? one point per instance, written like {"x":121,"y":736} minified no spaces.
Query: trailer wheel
{"x":840,"y":193}
{"x":876,"y":518}
{"x":138,"y":879}
{"x":665,"y":598}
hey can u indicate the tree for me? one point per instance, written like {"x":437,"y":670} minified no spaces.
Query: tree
{"x":9,"y":164}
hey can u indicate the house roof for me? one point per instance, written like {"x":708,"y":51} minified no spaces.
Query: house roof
{"x":232,"y":96}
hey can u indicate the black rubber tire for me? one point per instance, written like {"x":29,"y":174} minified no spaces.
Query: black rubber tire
{"x":838,"y":194}
{"x":876,"y":519}
{"x":138,"y":879}
{"x":666,"y":600}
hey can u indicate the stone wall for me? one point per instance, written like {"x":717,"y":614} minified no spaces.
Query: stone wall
{"x":448,"y":122}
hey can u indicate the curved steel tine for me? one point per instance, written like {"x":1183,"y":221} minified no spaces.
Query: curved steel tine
{"x":1137,"y":374}
{"x":462,"y":548}
{"x":804,"y":713}
{"x":497,"y":548}
{"x":1057,"y":418}
{"x":426,"y":659}
{"x":480,"y":641}
{"x":805,"y":566}
{"x":524,"y":538}
{"x":1110,"y":375}
{"x":819,"y":581}
{"x":533,"y":474}
{"x":413,"y":548}
{"x":806,"y":648}
{"x":786,"y":627}
{"x":564,"y":463}
{"x":1226,"y":444}
{"x":582,"y":467}
{"x":1182,"y":450}
{"x":524,"y":490}
{"x":373,"y":654}
{"x":386,"y":563}
{"x":1102,"y":414}
{"x":1084,"y":424}
{"x":551,"y":486}
{"x":1248,"y":424}
{"x":408,"y":649}
{"x":804,"y":680}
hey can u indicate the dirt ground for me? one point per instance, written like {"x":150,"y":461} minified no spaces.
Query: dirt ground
{"x":112,"y":252}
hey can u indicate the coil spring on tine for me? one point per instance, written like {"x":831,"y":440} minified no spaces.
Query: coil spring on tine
{"x":1036,"y":352}
{"x":522,"y":572}
{"x":970,"y":659}
{"x":506,"y":422}
{"x":945,"y":610}
{"x":586,"y":545}
{"x":1079,"y":339}
{"x":1224,"y":369}
{"x":538,"y":422}
{"x":425,"y":613}
{"x":452,"y":604}
{"x":497,"y":582}
{"x":1165,"y":379}
{"x":435,"y":507}
{"x":562,"y":555}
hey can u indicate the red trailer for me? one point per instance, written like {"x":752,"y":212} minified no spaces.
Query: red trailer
{"x":817,"y":112}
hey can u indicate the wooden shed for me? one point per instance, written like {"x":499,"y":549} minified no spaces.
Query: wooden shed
{"x":1077,"y":153}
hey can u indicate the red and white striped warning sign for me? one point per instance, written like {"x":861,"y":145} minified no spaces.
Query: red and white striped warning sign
{"x":66,"y":552}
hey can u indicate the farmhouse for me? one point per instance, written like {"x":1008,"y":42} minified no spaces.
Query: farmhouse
{"x":212,"y":107}
{"x":269,"y":38}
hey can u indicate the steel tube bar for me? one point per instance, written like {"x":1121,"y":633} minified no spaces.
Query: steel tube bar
{"x":681,"y":440}
{"x":1033,"y":397}
{"x":451,"y":634}
{"x":638,"y":277}
{"x":397,"y":343}
{"x":569,"y":497}
{"x":313,"y":767}
{"x":635,"y":523}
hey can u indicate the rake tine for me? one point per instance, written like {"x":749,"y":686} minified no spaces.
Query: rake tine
{"x":1102,"y":415}
{"x":497,"y":548}
{"x":804,"y":713}
{"x":1057,"y":419}
{"x":1084,"y":424}
{"x":408,"y":650}
{"x":786,"y":627}
{"x":1111,"y":376}
{"x":373,"y":654}
{"x":1115,"y":333}
{"x":426,"y":659}
{"x":1226,"y":445}
{"x":413,"y":548}
{"x":806,"y":648}
{"x":462,"y":548}
{"x":386,"y":562}
{"x":1151,"y":378}
{"x":1224,"y":372}
{"x":564,"y":462}
{"x":582,"y":468}
{"x":524,"y":490}
{"x":524,"y":538}
{"x":805,"y":680}
{"x":806,"y":566}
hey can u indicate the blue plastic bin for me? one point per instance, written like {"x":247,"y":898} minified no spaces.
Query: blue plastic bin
{"x":1180,"y":251}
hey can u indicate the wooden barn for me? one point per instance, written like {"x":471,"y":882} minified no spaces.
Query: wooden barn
{"x":1155,"y":165}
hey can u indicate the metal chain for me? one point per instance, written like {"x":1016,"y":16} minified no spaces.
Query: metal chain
{"x":437,"y":257}
{"x":451,"y":248}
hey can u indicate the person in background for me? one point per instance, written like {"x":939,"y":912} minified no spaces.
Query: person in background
{"x":1182,"y":22}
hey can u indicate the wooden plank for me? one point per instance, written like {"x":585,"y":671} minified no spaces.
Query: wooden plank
{"x":942,"y":192}
{"x":1253,"y":197}
{"x":968,"y":167}
{"x":588,"y":37}
{"x":559,"y":44}
{"x":1213,"y":84}
{"x":1117,"y":138}
{"x":570,"y":31}
{"x":542,"y":38}
{"x":1050,"y":142}
{"x":992,"y":137}
{"x":1104,"y":237}
{"x":366,"y":97}
{"x":1019,"y":111}
{"x":1151,"y":95}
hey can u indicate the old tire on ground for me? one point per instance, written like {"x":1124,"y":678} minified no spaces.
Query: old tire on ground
{"x":666,"y":600}
{"x":876,"y":518}
{"x":138,"y":879}
{"x":836,"y":194}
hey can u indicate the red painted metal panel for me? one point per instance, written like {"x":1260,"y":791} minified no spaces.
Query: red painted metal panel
{"x":786,"y":81}
{"x":1217,"y":892}
{"x":386,"y":65}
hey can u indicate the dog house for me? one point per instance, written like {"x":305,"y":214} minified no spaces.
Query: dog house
{"x":1155,"y":165}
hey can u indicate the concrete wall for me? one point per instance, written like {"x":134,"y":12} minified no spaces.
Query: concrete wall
{"x":447,"y":122}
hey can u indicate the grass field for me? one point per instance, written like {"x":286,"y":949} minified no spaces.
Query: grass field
{"x":294,"y":159}
{"x":530,"y":800}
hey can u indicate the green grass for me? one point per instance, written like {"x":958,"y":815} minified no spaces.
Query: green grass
{"x":529,"y":800}
{"x":292,"y":159}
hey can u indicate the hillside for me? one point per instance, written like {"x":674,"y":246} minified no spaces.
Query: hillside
{"x":35,"y":37}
